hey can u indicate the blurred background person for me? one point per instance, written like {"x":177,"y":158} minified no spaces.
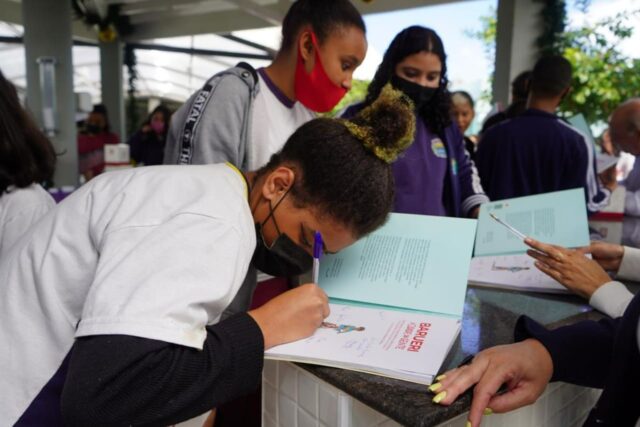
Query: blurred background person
{"x":91,"y":141}
{"x":463,"y":112}
{"x":625,"y":135}
{"x":147,"y":144}
{"x":519,"y":95}
{"x":538,"y":152}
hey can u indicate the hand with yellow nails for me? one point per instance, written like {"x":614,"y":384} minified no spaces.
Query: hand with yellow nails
{"x":524,"y":368}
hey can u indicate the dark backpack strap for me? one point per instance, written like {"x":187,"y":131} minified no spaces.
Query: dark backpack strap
{"x":187,"y":136}
{"x":194,"y":114}
{"x":250,"y":69}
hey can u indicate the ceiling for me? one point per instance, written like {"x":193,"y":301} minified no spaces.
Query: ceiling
{"x":192,"y":24}
{"x":152,"y":19}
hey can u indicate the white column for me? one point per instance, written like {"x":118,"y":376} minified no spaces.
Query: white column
{"x":519,"y":25}
{"x":47,"y":34}
{"x":111,"y":60}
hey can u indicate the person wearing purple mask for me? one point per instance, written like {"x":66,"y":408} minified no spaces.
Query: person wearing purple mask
{"x":147,"y":144}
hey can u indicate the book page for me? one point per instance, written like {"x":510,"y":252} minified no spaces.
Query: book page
{"x":558,"y":218}
{"x":415,"y":262}
{"x":516,"y":272}
{"x":376,"y":340}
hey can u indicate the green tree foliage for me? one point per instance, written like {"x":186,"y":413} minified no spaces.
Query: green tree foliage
{"x":554,"y":21}
{"x":603,"y":76}
{"x":487,"y":35}
{"x":357,"y":94}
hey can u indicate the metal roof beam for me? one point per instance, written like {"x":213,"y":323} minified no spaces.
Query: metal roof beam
{"x":215,"y":22}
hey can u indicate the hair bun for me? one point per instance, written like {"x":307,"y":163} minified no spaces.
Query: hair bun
{"x":387,"y":126}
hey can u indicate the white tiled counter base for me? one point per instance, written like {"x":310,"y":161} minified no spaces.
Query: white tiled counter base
{"x":293,"y":397}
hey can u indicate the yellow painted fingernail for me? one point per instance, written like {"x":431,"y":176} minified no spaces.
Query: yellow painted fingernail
{"x":441,"y":377}
{"x":487,"y":411}
{"x":435,"y":387}
{"x":468,"y":424}
{"x":439,"y":397}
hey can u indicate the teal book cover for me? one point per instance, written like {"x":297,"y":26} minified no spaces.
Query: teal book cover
{"x":413,"y":262}
{"x":559,"y":218}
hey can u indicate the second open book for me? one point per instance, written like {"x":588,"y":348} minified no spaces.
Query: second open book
{"x":500,"y":258}
{"x":396,"y":298}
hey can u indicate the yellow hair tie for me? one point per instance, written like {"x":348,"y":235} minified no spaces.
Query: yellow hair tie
{"x":390,"y":99}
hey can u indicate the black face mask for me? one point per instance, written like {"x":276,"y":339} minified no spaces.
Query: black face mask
{"x":284,"y":257}
{"x":420,"y":95}
{"x":93,"y":129}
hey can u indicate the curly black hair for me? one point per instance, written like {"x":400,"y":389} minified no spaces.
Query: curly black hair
{"x":26,"y":155}
{"x":343,"y":166}
{"x":412,"y":40}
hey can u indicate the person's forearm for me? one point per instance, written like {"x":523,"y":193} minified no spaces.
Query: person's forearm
{"x":581,"y":353}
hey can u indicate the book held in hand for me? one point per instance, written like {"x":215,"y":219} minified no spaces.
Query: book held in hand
{"x":500,"y":258}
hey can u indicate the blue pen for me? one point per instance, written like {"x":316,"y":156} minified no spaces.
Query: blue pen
{"x":317,"y":253}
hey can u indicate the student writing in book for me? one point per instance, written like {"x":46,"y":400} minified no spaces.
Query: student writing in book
{"x":625,"y":134}
{"x":603,"y":354}
{"x":435,"y":176}
{"x":243,"y":116}
{"x":113,"y":306}
{"x":537,"y":152}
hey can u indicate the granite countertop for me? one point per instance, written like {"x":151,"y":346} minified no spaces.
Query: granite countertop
{"x":489,"y":319}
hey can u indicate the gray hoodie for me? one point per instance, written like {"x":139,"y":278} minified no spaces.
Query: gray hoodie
{"x":214,"y":125}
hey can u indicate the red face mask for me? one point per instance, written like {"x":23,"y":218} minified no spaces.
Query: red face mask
{"x":315,"y":90}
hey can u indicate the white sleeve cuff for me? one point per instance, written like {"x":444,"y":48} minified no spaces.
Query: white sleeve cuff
{"x":632,"y":203}
{"x":612,"y":299}
{"x":472,"y":201}
{"x":630,"y":265}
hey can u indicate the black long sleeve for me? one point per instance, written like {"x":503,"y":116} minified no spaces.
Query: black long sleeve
{"x":123,"y":380}
{"x":582,"y":353}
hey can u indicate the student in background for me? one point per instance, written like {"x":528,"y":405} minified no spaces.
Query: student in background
{"x":435,"y":176}
{"x":537,"y":152}
{"x":125,"y":302}
{"x":27,"y":159}
{"x":91,"y":141}
{"x":147,"y":144}
{"x":462,"y":110}
{"x":97,"y":125}
{"x":625,"y":135}
{"x":519,"y":96}
{"x":244,"y":116}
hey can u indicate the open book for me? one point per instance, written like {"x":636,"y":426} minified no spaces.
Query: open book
{"x":500,"y":258}
{"x":397,"y":298}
